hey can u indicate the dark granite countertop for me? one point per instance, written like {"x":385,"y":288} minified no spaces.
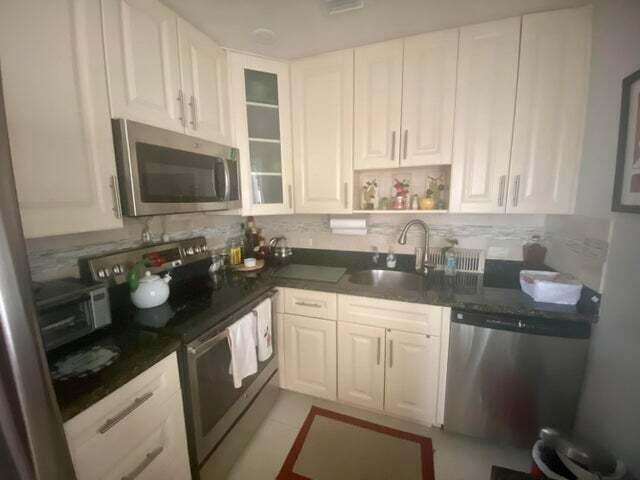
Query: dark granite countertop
{"x":136,"y":350}
{"x":198,"y":304}
{"x":497,"y":291}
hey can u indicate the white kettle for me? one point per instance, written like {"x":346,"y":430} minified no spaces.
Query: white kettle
{"x":153,"y":290}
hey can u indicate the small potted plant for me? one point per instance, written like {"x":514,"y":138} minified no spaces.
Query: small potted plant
{"x":370,"y":195}
{"x":401,"y":194}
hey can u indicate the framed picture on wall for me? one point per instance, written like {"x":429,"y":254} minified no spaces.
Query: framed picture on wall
{"x":626,"y":188}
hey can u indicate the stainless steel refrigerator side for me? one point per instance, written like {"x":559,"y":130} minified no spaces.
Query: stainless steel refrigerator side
{"x":30,"y":423}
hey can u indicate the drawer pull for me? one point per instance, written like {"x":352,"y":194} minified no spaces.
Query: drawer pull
{"x":378,"y":355}
{"x":307,"y":304}
{"x":151,"y":456}
{"x":110,"y":423}
{"x":390,"y":353}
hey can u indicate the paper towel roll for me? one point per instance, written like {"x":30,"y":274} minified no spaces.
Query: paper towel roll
{"x":347,"y":223}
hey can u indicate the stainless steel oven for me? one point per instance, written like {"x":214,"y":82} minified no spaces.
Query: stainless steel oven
{"x":216,"y":405}
{"x":165,"y":172}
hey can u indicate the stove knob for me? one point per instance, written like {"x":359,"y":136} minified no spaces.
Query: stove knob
{"x":520,"y":324}
{"x":204,"y":248}
{"x":198,"y":249}
{"x":117,"y":269}
{"x":102,"y":273}
{"x":189,"y":251}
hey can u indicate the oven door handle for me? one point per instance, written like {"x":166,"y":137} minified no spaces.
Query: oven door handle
{"x":199,"y":347}
{"x":204,"y":345}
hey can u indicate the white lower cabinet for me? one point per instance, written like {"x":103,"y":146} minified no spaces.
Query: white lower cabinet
{"x":361,"y":353}
{"x":411,"y":387}
{"x":138,"y":431}
{"x":310,"y":355}
{"x":380,"y":354}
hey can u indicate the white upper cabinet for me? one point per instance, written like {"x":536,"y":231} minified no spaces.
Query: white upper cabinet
{"x":204,"y":78}
{"x":428,"y":98}
{"x":164,"y":72}
{"x":550,"y":111}
{"x":57,"y":109}
{"x":378,"y":100}
{"x":322,"y":98}
{"x":485,"y":102}
{"x":262,"y":130}
{"x":141,"y":44}
{"x":405,"y":101}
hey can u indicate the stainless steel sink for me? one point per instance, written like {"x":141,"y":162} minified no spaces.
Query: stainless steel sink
{"x":388,"y":279}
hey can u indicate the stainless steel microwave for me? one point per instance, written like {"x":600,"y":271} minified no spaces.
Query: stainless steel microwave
{"x":163,"y":172}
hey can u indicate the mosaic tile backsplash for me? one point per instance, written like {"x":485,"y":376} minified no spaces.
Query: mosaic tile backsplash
{"x":56,"y":257}
{"x":571,"y":247}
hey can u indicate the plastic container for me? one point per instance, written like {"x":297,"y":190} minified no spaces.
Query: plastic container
{"x":550,"y":287}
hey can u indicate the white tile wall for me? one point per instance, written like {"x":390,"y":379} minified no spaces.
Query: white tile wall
{"x":579,"y":245}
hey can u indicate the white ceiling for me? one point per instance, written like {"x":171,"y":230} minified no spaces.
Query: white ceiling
{"x":303,"y":27}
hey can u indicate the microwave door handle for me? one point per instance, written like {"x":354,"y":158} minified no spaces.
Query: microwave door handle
{"x":227,"y":180}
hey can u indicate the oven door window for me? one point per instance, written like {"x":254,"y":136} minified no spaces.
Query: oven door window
{"x":167,"y":175}
{"x":216,"y":393}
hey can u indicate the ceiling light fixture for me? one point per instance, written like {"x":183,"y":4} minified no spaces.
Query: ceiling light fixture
{"x":342,"y":6}
{"x":264,"y":36}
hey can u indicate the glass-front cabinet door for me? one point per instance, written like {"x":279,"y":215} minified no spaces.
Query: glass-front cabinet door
{"x":262,"y":128}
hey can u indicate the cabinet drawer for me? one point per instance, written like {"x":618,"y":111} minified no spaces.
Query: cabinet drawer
{"x":408,"y":317}
{"x":109,"y":430}
{"x":310,"y":303}
{"x":162,"y":454}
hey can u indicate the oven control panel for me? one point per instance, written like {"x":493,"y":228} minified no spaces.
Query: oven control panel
{"x":113,"y":267}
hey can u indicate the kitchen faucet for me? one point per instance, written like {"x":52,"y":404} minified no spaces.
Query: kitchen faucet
{"x":422,"y":253}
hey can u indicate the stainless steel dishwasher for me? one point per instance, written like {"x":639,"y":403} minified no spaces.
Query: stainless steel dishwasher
{"x":508,"y":376}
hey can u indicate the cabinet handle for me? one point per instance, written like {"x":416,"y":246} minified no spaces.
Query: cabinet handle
{"x":183,"y":117}
{"x":390,"y":353}
{"x":307,"y":304}
{"x":378,"y":361}
{"x":516,"y":190}
{"x":115,"y":193}
{"x":150,"y":457}
{"x":113,"y":421}
{"x":503,"y":183}
{"x":406,"y":144}
{"x":290,"y":196}
{"x":393,"y":145}
{"x":346,"y":195}
{"x":194,"y":112}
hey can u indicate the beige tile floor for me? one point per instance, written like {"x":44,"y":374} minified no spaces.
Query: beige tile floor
{"x":456,"y":457}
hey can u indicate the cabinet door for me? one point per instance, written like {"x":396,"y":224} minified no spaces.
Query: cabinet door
{"x":378,"y":100}
{"x":310,"y":355}
{"x":203,"y":65}
{"x":428,"y":98}
{"x":262,"y":129}
{"x":322,"y":96}
{"x":361,"y":352}
{"x":141,"y":44}
{"x":550,"y":111}
{"x":485,"y":102}
{"x":57,"y":110}
{"x":411,"y":388}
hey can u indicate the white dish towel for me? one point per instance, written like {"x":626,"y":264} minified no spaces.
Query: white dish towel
{"x":264,"y":330}
{"x":242,"y":344}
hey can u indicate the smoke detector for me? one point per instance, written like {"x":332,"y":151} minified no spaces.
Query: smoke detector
{"x":341,"y":6}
